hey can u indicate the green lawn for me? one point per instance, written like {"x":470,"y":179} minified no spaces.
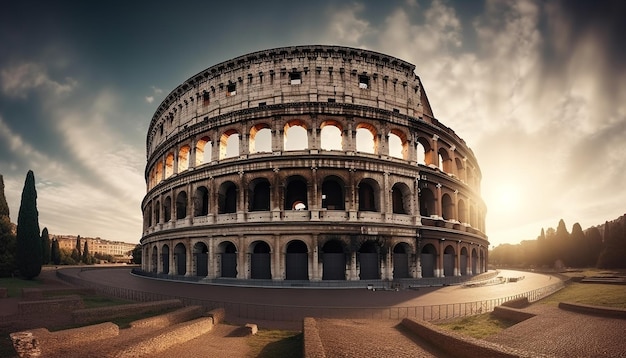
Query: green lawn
{"x":594,"y":294}
{"x":14,"y":285}
{"x":478,"y":326}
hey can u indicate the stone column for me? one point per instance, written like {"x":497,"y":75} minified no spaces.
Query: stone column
{"x":440,"y":269}
{"x":438,"y":208}
{"x":212,"y":259}
{"x":189,"y":262}
{"x":457,"y":258}
{"x":172,"y":263}
{"x":278,"y":273}
{"x":352,"y":273}
{"x":434,"y":153}
{"x":313,"y":260}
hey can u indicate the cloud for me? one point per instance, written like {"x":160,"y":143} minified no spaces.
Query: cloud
{"x":20,"y":80}
{"x":345,"y":26}
{"x":149,"y":99}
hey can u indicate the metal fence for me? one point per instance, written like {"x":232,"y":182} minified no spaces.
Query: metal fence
{"x":297,"y":313}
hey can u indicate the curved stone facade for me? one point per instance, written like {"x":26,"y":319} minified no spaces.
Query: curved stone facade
{"x":309,"y":163}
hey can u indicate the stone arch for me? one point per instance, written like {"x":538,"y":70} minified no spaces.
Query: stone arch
{"x":401,"y":255}
{"x":180,"y":259}
{"x":203,"y":151}
{"x":369,"y":260}
{"x":427,"y":202}
{"x":165,"y":259}
{"x":200,"y":259}
{"x":169,"y":165}
{"x":183,"y":158}
{"x":154,"y":260}
{"x":445,"y":162}
{"x":260,"y":261}
{"x":447,"y":207}
{"x":227,"y":252}
{"x":461,"y":211}
{"x":181,"y":205}
{"x":158,"y":172}
{"x":296,"y":193}
{"x":167,"y":209}
{"x":227,"y":198}
{"x":463,"y":261}
{"x":260,"y":138}
{"x":296,"y":261}
{"x":401,"y":199}
{"x":366,"y":138}
{"x":229,"y":144}
{"x":460,"y":168}
{"x":449,"y":261}
{"x":333,"y":193}
{"x":369,"y":195}
{"x":333,"y":260}
{"x":428,"y":260}
{"x":295,"y":135}
{"x":424,"y":151}
{"x":398,"y":144}
{"x":157,"y":212}
{"x":331,"y":135}
{"x":201,"y":202}
{"x":259,"y":191}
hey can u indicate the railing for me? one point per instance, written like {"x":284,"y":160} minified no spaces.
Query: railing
{"x":297,"y":313}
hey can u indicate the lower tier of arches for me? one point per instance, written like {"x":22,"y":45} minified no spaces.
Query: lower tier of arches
{"x":314,"y":258}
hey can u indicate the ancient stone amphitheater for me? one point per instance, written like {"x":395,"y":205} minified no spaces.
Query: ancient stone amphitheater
{"x":309,"y":165}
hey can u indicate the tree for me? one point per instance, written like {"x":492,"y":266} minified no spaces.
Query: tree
{"x":86,"y":257}
{"x":593,"y":246}
{"x":578,"y":247}
{"x":613,"y":255}
{"x":561,"y":242}
{"x":137,"y":254}
{"x":78,"y":246}
{"x":55,"y":252}
{"x":45,"y":246}
{"x":29,"y":252}
{"x":76,"y":255}
{"x":7,"y":237}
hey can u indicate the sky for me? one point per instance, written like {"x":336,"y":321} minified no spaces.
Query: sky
{"x":537,"y":89}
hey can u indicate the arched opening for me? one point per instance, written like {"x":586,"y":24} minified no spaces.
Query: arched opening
{"x":460,"y":168}
{"x":165,"y":259}
{"x":169,"y":165}
{"x":167,"y":209}
{"x":227,"y":198}
{"x":398,"y":146}
{"x":401,"y":199}
{"x":424,"y":150}
{"x":260,"y":261}
{"x":183,"y":158}
{"x":259,"y":195}
{"x":228,"y":259}
{"x":203,"y":151}
{"x":331,"y":138}
{"x":180,"y":259}
{"x":295,"y":137}
{"x":428,"y":260}
{"x":445,"y":162}
{"x":154,"y":260}
{"x":200,"y":259}
{"x":474,"y":262}
{"x":333,"y":197}
{"x":296,"y":197}
{"x":401,"y":261}
{"x":159,"y":172}
{"x":368,"y":195}
{"x":447,"y":206}
{"x":181,"y":205}
{"x":201,"y":202}
{"x":366,"y":141}
{"x":482,"y":263}
{"x":260,"y":138}
{"x":449,"y":261}
{"x":427,"y":202}
{"x":297,"y":261}
{"x":369,"y":261}
{"x":333,"y":261}
{"x":157,"y":212}
{"x":229,"y":144}
{"x":463,"y":261}
{"x":461,"y":210}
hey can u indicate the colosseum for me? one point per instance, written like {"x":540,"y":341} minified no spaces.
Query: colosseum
{"x":309,"y":165}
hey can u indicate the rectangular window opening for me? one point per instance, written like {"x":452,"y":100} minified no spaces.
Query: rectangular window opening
{"x":231,"y":89}
{"x":331,"y":100}
{"x":364,"y":81}
{"x":295,"y":78}
{"x":262,"y":104}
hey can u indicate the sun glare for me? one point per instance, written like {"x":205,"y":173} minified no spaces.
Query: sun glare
{"x":506,"y":197}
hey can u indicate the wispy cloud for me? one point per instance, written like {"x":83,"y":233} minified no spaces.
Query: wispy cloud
{"x":18,"y":81}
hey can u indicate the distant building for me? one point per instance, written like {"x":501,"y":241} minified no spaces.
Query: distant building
{"x":119,"y":249}
{"x":309,"y":163}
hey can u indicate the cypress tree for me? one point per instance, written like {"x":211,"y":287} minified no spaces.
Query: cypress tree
{"x":78,"y":245}
{"x":577,"y":245}
{"x":86,"y":254}
{"x":7,"y":237}
{"x":55,"y":252}
{"x":29,"y":252}
{"x":45,"y":245}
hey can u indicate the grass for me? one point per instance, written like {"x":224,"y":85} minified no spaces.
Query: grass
{"x":479,"y":326}
{"x":276,"y":343}
{"x":14,"y":285}
{"x":594,"y":294}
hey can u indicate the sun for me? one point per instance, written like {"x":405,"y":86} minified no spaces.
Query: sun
{"x":506,"y":198}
